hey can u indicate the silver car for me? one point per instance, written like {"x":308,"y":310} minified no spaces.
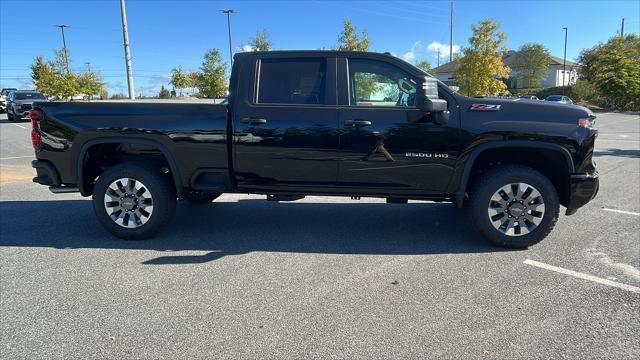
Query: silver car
{"x":559,"y":99}
{"x":19,"y":103}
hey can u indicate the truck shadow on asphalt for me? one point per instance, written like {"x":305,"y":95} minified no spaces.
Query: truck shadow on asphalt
{"x":618,"y":152}
{"x":236,"y":228}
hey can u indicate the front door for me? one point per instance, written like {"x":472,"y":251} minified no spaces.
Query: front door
{"x":387,"y":144}
{"x":286,"y":135}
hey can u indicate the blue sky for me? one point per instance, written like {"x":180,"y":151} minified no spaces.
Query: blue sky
{"x":164,"y":34}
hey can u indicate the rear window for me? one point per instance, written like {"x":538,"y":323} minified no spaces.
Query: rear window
{"x":26,"y":96}
{"x":292,"y":81}
{"x":554,"y":98}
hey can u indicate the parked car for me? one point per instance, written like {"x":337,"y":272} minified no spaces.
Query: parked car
{"x":559,"y":99}
{"x":20,"y":102}
{"x":3,"y":98}
{"x":336,"y":123}
{"x":528,"y":97}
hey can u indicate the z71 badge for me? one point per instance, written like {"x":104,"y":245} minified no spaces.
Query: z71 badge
{"x":484,"y":107}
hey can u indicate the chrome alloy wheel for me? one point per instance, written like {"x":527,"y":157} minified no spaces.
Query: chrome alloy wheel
{"x":516,"y":209}
{"x":128,"y":202}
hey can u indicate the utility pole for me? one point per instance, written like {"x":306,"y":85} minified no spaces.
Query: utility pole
{"x":451,"y":35}
{"x":229,"y":12}
{"x":64,"y":46}
{"x":564,"y":62}
{"x":438,"y":58}
{"x":127,"y":53}
{"x":622,"y":29}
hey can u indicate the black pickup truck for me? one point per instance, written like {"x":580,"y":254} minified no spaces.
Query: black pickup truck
{"x":339,"y":123}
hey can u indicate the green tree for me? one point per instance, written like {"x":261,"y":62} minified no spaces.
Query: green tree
{"x":179,"y":79}
{"x":260,"y":41}
{"x":90,"y":83}
{"x":349,"y":39}
{"x":481,"y":71}
{"x":424,"y":65}
{"x":194,"y":81}
{"x":43,"y":75}
{"x":531,"y":64}
{"x":65,"y":83}
{"x":613,"y":68}
{"x":213,"y":79}
{"x":164,"y":93}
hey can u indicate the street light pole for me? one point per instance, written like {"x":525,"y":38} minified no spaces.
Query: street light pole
{"x":64,"y":46}
{"x":229,"y":12}
{"x":451,"y":35}
{"x":564,"y":62}
{"x":127,"y":52}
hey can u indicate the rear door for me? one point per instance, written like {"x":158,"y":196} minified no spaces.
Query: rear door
{"x":286,"y":132}
{"x":388,"y":145}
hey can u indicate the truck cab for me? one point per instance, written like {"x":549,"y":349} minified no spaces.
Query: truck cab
{"x":341,"y":122}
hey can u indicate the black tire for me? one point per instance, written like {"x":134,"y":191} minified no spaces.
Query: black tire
{"x":9,"y":116}
{"x":200,"y":197}
{"x":481,"y":200}
{"x":156,"y":183}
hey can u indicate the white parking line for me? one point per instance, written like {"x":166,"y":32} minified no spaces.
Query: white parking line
{"x":583,"y":276}
{"x":20,"y":126}
{"x":16,"y":157}
{"x":622,"y":211}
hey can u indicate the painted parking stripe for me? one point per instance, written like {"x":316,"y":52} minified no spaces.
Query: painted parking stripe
{"x":16,"y":157}
{"x":583,"y":276}
{"x":20,"y":126}
{"x":622,"y":211}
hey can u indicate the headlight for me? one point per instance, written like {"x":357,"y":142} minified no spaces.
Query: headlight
{"x":588,"y":122}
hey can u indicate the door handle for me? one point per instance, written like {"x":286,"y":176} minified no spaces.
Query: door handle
{"x":358,"y":122}
{"x":253,"y":121}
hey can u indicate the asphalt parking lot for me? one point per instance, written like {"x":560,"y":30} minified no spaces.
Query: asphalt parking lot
{"x":318,"y":278}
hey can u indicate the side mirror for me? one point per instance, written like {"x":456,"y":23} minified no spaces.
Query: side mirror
{"x":427,"y":96}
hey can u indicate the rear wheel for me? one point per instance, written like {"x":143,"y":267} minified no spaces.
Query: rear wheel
{"x":9,"y":116}
{"x":133,"y":201}
{"x":200,"y":197}
{"x":514,"y":206}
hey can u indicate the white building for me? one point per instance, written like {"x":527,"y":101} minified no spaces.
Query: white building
{"x":444,"y":73}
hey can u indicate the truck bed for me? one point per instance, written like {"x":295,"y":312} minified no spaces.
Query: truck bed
{"x":192,"y":134}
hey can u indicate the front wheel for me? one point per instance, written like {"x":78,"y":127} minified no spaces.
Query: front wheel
{"x":514,"y":206}
{"x":132,"y":201}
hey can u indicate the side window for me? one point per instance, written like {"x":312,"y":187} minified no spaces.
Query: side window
{"x":377,"y":83}
{"x":292,"y":81}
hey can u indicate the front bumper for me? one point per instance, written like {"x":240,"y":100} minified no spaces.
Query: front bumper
{"x":583,"y":188}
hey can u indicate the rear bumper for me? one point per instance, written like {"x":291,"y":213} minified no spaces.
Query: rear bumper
{"x":583,"y":188}
{"x":46,"y":174}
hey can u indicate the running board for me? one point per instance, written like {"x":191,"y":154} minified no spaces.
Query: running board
{"x":63,"y":189}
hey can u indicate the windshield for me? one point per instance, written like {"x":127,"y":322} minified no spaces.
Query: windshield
{"x":554,"y":98}
{"x":29,"y":96}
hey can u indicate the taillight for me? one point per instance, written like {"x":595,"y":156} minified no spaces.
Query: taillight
{"x":36,"y":115}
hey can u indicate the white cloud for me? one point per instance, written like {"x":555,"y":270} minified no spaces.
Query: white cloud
{"x":435,"y":46}
{"x":411,"y":54}
{"x":246,"y":48}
